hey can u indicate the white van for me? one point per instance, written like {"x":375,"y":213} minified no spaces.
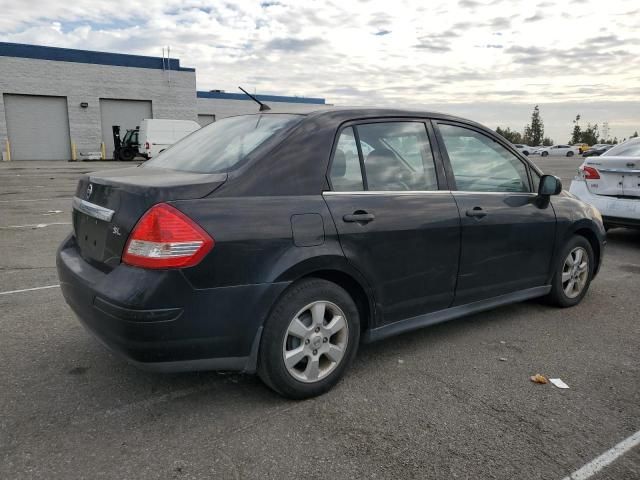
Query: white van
{"x":158,"y":134}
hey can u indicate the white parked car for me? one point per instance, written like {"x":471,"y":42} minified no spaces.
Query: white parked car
{"x":559,"y":151}
{"x":157,"y":134}
{"x":525,"y":149}
{"x":611,"y":183}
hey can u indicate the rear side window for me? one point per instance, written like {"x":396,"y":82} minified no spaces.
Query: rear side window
{"x":396,"y":156}
{"x":480,"y":164}
{"x":346,"y":175}
{"x":401,"y":158}
{"x":222,"y":145}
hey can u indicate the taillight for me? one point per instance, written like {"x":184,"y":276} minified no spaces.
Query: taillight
{"x":589,"y":173}
{"x":166,"y":238}
{"x":147,"y":146}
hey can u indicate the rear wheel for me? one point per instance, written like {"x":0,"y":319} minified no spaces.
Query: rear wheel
{"x":573,"y":273}
{"x":569,"y":153}
{"x":309,"y":339}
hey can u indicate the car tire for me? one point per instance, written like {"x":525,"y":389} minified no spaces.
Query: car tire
{"x":566,"y":274}
{"x":545,"y":154}
{"x":525,"y":152}
{"x":300,"y":328}
{"x":569,"y":153}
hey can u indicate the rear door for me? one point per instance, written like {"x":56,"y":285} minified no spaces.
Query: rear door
{"x":507,"y":237}
{"x":394,"y":223}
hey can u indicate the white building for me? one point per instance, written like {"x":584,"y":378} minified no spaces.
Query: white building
{"x":57,"y":103}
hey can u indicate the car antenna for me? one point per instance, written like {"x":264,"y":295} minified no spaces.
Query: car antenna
{"x":263,"y":106}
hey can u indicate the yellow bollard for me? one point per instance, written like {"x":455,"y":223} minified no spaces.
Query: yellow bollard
{"x":73,"y":152}
{"x":103,"y":151}
{"x":8,"y":157}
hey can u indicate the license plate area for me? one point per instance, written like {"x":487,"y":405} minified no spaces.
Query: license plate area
{"x":91,"y":235}
{"x":631,"y":185}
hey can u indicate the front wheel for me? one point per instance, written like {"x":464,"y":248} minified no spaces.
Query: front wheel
{"x":127,"y":154}
{"x":545,"y":154}
{"x":573,"y":273}
{"x":309,"y":339}
{"x":569,"y":154}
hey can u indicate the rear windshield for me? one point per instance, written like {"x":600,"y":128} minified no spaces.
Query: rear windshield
{"x":630,"y":148}
{"x":222,"y":145}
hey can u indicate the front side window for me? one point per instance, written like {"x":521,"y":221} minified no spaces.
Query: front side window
{"x":398,"y":156}
{"x":224,"y":144}
{"x":481,"y":164}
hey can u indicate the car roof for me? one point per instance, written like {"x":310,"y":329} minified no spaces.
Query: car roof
{"x":344,"y":114}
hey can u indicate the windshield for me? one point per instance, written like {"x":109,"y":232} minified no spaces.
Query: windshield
{"x":630,"y":148}
{"x":222,"y":145}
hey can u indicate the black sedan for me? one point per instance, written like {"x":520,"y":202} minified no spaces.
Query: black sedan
{"x":275,"y":243}
{"x":596,"y":150}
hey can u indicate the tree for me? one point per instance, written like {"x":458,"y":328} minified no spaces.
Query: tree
{"x":575,"y":136}
{"x":589,"y":135}
{"x":547,"y":142}
{"x":635,"y":135}
{"x":534,"y":132}
{"x":511,"y":135}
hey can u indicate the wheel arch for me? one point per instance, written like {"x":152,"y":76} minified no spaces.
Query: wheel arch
{"x":592,"y":238}
{"x":336,"y":269}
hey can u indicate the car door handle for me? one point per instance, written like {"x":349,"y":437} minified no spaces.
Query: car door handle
{"x":360,"y":217}
{"x":476,"y":212}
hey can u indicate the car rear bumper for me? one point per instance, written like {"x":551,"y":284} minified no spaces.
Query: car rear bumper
{"x":156,"y":320}
{"x":615,"y":211}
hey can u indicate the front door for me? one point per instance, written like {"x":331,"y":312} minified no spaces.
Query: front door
{"x":395,"y":226}
{"x":507,"y":235}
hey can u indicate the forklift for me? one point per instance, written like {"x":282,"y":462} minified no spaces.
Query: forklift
{"x":125,"y":149}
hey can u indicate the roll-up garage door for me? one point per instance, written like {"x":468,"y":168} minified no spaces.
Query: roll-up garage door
{"x":206,"y":119}
{"x":127,"y":114}
{"x":37,"y":127}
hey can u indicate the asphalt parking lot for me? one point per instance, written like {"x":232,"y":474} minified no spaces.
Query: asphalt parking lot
{"x":450,"y":401}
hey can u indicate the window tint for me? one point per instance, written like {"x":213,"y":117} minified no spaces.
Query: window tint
{"x":399,"y":156}
{"x":482,"y":165}
{"x":346,"y":175}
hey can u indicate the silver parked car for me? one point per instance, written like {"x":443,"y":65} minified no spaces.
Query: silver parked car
{"x":611,"y":183}
{"x":559,"y":151}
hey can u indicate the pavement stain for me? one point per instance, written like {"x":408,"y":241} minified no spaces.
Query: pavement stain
{"x":78,"y":371}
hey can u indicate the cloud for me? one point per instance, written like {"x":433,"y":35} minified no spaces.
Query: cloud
{"x":534,"y":18}
{"x":292,"y":44}
{"x":440,"y":51}
{"x":469,"y":3}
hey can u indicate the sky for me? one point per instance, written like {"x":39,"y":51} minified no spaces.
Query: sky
{"x":487,"y":60}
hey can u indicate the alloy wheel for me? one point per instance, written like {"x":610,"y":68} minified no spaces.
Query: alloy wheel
{"x":315,"y":341}
{"x":575,"y":272}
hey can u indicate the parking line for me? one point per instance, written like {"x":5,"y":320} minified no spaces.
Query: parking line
{"x":608,"y":457}
{"x":35,"y":225}
{"x":34,"y":199}
{"x":28,"y":289}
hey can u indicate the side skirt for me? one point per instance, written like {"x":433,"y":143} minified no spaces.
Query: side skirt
{"x":440,"y":316}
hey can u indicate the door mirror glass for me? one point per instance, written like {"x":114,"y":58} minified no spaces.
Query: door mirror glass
{"x":549,"y":185}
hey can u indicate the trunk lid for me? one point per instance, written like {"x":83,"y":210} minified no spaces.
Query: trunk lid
{"x":619,"y":176}
{"x":108,"y":204}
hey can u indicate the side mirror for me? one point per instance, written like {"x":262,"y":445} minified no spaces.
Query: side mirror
{"x":549,"y":185}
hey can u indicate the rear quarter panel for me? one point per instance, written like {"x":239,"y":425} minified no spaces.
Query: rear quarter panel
{"x":254,"y":241}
